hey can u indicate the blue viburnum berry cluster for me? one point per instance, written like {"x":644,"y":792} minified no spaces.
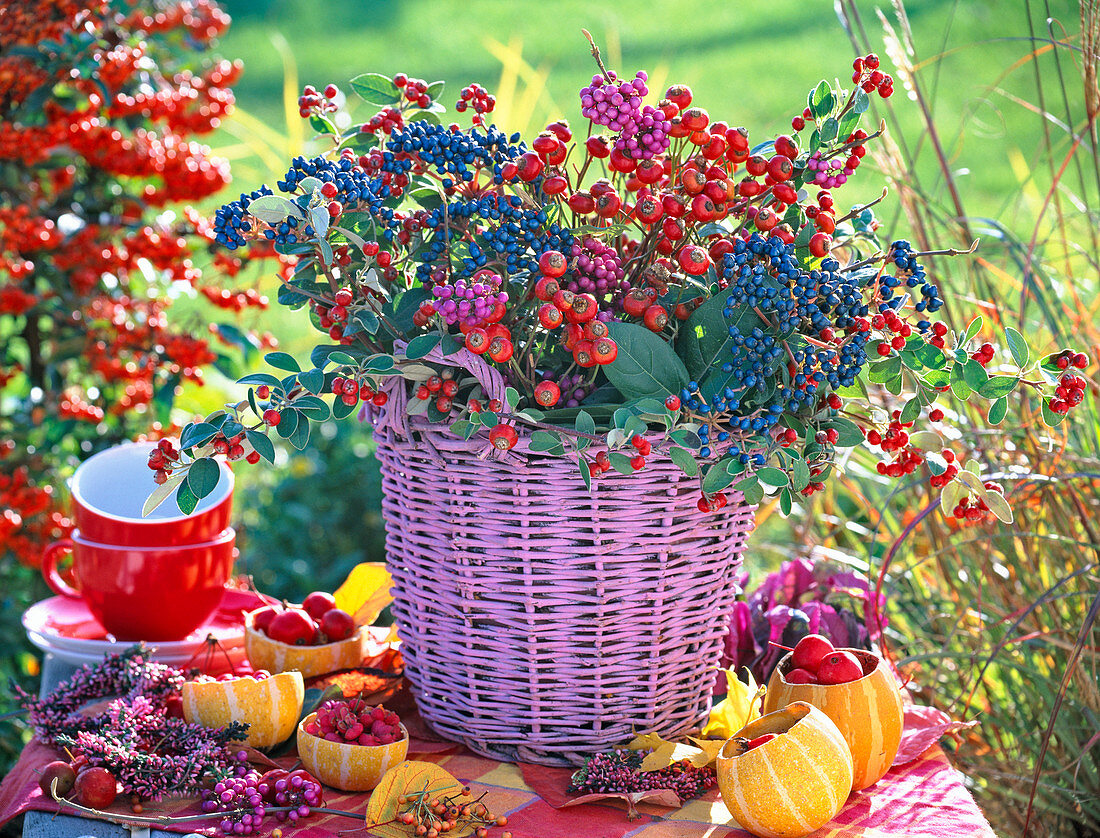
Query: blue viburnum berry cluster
{"x":662,"y":287}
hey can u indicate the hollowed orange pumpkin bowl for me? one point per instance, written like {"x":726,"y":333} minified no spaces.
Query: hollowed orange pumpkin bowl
{"x":791,"y":785}
{"x":348,"y":767}
{"x":311,"y":661}
{"x":868,"y":712}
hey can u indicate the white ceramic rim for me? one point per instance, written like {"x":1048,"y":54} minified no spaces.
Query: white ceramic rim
{"x":90,"y":646}
{"x":206,"y":504}
{"x":157,"y":652}
{"x":227,"y":535}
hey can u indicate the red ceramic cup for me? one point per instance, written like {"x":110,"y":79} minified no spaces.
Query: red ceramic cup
{"x":109,"y":491}
{"x":145,"y":593}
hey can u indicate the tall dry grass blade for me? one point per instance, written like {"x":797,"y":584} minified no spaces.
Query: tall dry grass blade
{"x":1075,"y":656}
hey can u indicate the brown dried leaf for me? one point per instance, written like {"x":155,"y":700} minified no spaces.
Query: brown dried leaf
{"x":658,"y":797}
{"x":410,"y":777}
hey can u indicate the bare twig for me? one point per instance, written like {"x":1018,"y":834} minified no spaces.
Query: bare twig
{"x":596,"y":55}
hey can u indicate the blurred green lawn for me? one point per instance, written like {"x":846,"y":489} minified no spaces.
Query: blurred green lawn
{"x":749,"y":63}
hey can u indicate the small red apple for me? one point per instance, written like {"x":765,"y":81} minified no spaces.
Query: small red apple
{"x":810,"y":651}
{"x":759,"y":740}
{"x":61,"y":771}
{"x":262,"y":618}
{"x":800,"y":676}
{"x":95,"y":788}
{"x":337,"y":624}
{"x":317,"y":603}
{"x":293,"y":627}
{"x":839,"y":668}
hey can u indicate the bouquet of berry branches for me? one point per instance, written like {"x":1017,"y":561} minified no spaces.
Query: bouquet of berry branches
{"x":654,"y":281}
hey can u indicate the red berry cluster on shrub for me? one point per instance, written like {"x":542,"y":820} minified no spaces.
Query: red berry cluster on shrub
{"x":98,"y":115}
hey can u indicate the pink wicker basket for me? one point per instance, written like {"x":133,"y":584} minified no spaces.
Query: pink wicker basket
{"x":541,"y":622}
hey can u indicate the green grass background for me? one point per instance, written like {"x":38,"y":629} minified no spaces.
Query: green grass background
{"x":749,"y":63}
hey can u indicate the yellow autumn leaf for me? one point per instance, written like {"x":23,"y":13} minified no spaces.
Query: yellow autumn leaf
{"x":365,"y":592}
{"x":707,"y":752}
{"x":737,"y":709}
{"x":663,"y":753}
{"x":410,"y":777}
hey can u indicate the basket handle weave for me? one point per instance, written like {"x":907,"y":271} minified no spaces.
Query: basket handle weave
{"x":394,"y":415}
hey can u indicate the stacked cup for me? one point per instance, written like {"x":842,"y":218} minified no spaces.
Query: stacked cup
{"x":158,"y":577}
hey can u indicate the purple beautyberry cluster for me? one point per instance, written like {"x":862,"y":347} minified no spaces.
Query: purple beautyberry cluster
{"x":295,"y":791}
{"x":574,"y":388}
{"x":643,"y":130}
{"x":829,"y":173}
{"x":617,"y":772}
{"x":239,"y":800}
{"x":598,"y":269}
{"x":469,"y":300}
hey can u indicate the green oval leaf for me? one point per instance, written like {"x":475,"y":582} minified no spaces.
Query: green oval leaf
{"x":376,"y":89}
{"x":770,"y":476}
{"x":997,"y":411}
{"x":261,"y":444}
{"x":420,"y":346}
{"x":282,"y":361}
{"x":687,"y":463}
{"x":645,"y":365}
{"x":1018,"y":347}
{"x":202,"y":477}
{"x":197,"y":433}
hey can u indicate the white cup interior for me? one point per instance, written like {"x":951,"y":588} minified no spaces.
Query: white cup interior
{"x":116,"y":483}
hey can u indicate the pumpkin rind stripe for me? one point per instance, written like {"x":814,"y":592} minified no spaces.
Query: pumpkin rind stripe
{"x":781,"y":790}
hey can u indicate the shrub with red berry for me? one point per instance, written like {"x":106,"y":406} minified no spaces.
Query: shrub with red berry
{"x":664,"y":287}
{"x":99,"y":115}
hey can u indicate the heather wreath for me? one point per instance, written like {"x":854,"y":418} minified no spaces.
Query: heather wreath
{"x":653,"y":283}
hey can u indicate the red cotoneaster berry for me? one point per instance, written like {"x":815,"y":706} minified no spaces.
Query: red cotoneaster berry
{"x":503,"y":437}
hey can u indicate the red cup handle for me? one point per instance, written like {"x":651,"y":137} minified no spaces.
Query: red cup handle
{"x":49,"y":568}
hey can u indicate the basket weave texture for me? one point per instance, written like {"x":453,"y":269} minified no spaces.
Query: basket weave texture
{"x":542,"y":622}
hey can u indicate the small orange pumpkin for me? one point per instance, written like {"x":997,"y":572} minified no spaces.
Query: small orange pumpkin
{"x":348,"y":767}
{"x":311,"y":661}
{"x":270,"y":706}
{"x":868,"y":712}
{"x":790,"y":785}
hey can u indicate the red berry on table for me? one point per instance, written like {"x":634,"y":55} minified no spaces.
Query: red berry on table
{"x":800,"y":676}
{"x":637,"y":463}
{"x":337,"y":624}
{"x":294,"y":627}
{"x":262,"y":619}
{"x":839,"y":667}
{"x":810,"y":651}
{"x":317,"y":603}
{"x":759,"y":740}
{"x":503,"y":437}
{"x":61,"y":771}
{"x":95,"y":788}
